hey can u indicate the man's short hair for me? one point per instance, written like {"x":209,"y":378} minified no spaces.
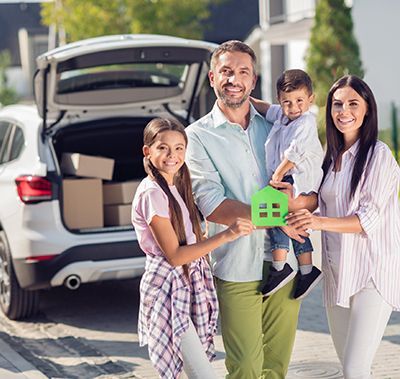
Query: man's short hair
{"x":233,"y":46}
{"x":292,"y":80}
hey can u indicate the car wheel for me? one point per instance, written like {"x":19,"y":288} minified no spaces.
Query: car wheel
{"x":15,"y":302}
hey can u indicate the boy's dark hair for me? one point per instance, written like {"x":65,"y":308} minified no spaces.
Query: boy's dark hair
{"x":292,"y":80}
{"x":233,"y":46}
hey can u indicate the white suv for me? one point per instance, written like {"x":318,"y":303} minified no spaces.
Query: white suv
{"x":93,"y":97}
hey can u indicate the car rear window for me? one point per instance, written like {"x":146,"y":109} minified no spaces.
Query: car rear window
{"x":122,"y":76}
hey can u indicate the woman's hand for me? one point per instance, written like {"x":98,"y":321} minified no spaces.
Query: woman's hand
{"x":303,"y":219}
{"x":241,"y":227}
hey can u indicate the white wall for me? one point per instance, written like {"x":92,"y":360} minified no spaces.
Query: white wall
{"x":377,"y":29}
{"x":296,"y":52}
{"x":299,"y":9}
{"x":17,"y":80}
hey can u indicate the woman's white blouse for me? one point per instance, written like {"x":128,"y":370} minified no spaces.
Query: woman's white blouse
{"x":332,"y":241}
{"x":373,"y":254}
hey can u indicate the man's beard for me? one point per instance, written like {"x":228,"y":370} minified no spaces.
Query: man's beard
{"x":229,"y":102}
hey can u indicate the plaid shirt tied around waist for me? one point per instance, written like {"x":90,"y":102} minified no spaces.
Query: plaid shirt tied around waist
{"x":168,"y":299}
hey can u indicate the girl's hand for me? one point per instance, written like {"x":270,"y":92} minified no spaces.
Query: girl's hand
{"x":241,"y":227}
{"x":303,"y":220}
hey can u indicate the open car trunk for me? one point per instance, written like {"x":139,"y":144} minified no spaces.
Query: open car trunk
{"x":120,"y":139}
{"x":86,"y":92}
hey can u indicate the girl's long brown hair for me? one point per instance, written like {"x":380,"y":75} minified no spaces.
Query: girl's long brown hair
{"x":181,"y":180}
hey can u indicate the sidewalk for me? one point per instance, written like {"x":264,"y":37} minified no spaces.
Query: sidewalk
{"x":313,"y":357}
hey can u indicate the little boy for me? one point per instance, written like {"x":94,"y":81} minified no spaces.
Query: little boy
{"x":293,"y":154}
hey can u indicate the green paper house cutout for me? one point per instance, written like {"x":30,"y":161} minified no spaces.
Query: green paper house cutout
{"x":269,"y":207}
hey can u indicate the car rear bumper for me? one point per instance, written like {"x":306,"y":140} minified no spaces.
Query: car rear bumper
{"x":93,"y":262}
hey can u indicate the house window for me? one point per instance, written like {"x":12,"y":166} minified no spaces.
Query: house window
{"x":275,"y":210}
{"x":275,"y":207}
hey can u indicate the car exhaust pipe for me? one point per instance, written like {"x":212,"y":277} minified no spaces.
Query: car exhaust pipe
{"x":72,"y":282}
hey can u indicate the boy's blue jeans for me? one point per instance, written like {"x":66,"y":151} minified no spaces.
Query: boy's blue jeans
{"x":279,"y":240}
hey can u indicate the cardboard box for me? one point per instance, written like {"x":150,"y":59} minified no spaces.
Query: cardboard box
{"x":83,"y":203}
{"x":87,"y":166}
{"x":119,"y":193}
{"x":117,"y":215}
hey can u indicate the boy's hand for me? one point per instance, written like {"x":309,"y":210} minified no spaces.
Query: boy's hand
{"x":260,"y":105}
{"x":285,"y":188}
{"x":276,"y":177}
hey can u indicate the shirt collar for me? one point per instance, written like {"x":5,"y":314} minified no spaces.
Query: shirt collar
{"x":220,"y":119}
{"x":284,"y":119}
{"x":354,"y":148}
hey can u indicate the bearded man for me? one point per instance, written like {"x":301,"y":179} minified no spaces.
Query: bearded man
{"x":225,"y":157}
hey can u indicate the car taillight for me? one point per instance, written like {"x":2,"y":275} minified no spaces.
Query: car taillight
{"x":39,"y":258}
{"x":33,"y":189}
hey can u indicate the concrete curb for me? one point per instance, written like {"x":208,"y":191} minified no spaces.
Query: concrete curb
{"x":14,"y":366}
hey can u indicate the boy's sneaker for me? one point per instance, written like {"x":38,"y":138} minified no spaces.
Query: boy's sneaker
{"x":277,"y":279}
{"x":306,"y":283}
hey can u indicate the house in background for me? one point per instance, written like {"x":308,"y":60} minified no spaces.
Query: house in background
{"x":282,"y":38}
{"x":25,"y":38}
{"x":278,"y":31}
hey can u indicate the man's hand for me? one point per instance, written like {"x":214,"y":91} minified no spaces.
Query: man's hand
{"x":295,"y":233}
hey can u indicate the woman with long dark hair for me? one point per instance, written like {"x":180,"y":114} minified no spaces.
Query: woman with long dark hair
{"x":360,"y":223}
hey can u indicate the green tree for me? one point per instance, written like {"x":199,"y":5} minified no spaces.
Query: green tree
{"x":333,"y":51}
{"x":91,"y":18}
{"x":7,"y":94}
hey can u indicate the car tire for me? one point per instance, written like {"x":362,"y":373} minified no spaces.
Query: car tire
{"x":15,"y":302}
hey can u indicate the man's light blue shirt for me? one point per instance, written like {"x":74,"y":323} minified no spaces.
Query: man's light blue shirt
{"x":228,"y":162}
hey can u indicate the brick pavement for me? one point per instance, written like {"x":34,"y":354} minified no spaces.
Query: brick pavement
{"x":313,"y":355}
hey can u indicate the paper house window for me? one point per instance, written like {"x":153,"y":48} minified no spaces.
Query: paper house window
{"x":269,"y":207}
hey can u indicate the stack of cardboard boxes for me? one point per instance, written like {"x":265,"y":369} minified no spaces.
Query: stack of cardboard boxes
{"x":90,"y":203}
{"x":117,"y":199}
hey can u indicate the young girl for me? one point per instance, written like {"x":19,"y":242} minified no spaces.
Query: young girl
{"x":359,"y":220}
{"x":178,"y":305}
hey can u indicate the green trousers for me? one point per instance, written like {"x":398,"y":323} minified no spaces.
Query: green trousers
{"x":258,"y":333}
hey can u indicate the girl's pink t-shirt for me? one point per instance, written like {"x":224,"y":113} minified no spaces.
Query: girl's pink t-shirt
{"x":150,"y":200}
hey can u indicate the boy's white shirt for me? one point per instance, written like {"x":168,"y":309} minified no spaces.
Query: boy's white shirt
{"x":298,"y":142}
